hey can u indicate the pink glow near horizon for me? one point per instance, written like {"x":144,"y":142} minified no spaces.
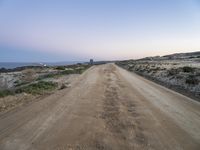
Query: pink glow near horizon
{"x":102,"y":32}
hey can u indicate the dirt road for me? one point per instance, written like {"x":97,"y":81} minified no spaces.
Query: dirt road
{"x":106,"y":108}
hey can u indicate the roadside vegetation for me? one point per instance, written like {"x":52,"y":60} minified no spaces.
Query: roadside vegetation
{"x":25,"y":84}
{"x":192,"y":80}
{"x":182,"y":75}
{"x":37,"y":88}
{"x":62,"y":70}
{"x":188,"y":69}
{"x":33,"y":88}
{"x":33,"y":81}
{"x":4,"y":93}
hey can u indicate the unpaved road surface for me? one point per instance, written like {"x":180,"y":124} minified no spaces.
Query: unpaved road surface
{"x":106,"y":108}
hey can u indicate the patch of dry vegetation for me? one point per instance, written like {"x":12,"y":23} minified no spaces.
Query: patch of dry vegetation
{"x":177,"y":74}
{"x":19,"y":87}
{"x":13,"y":80}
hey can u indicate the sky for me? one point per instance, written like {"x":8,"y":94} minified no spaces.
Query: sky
{"x":71,"y":30}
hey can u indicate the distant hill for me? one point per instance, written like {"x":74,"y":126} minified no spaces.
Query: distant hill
{"x":189,"y":55}
{"x":183,"y":55}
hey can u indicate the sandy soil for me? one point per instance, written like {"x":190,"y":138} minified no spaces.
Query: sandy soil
{"x":106,"y":108}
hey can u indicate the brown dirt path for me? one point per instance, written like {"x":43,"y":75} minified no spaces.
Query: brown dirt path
{"x":106,"y":108}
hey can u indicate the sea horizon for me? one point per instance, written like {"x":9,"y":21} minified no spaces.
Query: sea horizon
{"x":11,"y":65}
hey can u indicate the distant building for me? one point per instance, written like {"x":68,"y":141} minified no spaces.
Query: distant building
{"x":91,"y":61}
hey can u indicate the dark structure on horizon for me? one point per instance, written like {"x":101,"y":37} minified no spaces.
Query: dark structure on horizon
{"x":91,"y":62}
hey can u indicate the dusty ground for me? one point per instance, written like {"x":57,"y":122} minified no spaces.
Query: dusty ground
{"x":106,"y":108}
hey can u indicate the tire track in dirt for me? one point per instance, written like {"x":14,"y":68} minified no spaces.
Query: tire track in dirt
{"x":120,"y":114}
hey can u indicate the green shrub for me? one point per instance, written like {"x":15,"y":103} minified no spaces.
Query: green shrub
{"x":173,"y":72}
{"x":60,"y":68}
{"x":188,"y":69}
{"x":66,"y":72}
{"x":50,"y":75}
{"x":155,"y":69}
{"x":4,"y":93}
{"x":131,"y":68}
{"x":69,"y":70}
{"x":37,"y":88}
{"x":192,"y":80}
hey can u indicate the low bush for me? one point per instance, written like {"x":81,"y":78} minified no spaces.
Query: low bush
{"x":188,"y":69}
{"x":34,"y":88}
{"x":37,"y":88}
{"x":131,"y":68}
{"x":60,"y":68}
{"x":155,"y":69}
{"x":4,"y":93}
{"x":192,"y":80}
{"x":173,"y":72}
{"x":50,"y":75}
{"x":68,"y":71}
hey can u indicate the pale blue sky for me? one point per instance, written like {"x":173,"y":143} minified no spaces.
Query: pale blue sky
{"x":66,"y":30}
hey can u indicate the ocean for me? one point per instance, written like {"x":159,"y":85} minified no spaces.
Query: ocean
{"x":11,"y":65}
